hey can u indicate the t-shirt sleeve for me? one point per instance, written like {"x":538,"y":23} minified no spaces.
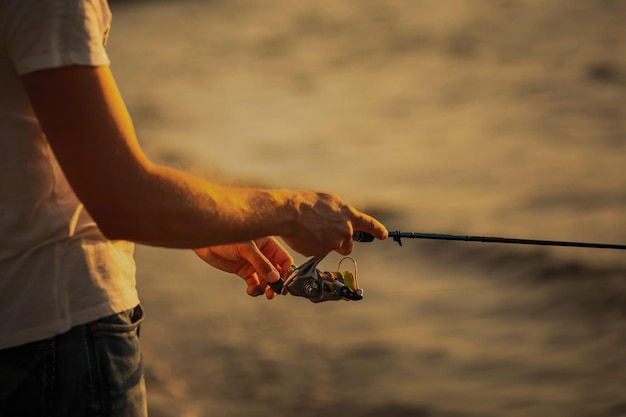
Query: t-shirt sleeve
{"x":44,"y":34}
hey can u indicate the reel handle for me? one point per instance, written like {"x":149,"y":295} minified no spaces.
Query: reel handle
{"x":277,"y":286}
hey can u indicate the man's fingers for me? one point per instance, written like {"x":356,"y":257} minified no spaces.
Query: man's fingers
{"x":364,"y":223}
{"x":276,"y":253}
{"x":269,"y":293}
{"x":263,"y":267}
{"x":254,"y":286}
{"x":346,"y":247}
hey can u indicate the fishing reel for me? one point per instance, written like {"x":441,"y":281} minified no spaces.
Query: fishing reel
{"x":309,"y":282}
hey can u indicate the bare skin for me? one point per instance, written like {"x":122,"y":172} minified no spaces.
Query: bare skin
{"x":257,"y":262}
{"x":91,"y":133}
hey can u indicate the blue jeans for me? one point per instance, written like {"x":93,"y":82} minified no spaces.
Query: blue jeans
{"x":94,"y":369}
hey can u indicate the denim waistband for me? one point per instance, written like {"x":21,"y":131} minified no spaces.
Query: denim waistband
{"x":94,"y":369}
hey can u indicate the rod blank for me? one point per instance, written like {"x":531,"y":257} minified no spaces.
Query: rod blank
{"x":398,"y":236}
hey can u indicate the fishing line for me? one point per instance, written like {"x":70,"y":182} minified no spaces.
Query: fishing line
{"x":486,"y":288}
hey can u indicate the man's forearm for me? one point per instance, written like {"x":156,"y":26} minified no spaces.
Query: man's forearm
{"x":90,"y":131}
{"x":170,"y":208}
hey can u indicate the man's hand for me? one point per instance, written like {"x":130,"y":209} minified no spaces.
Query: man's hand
{"x":257,"y":262}
{"x":326,"y":223}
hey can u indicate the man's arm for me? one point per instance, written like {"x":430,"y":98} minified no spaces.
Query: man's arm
{"x":92,"y":136}
{"x":91,"y":133}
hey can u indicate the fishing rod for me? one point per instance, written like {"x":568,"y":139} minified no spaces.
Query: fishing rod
{"x":317,"y":286}
{"x":398,"y":236}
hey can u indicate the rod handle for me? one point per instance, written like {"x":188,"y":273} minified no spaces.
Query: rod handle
{"x":362,"y":237}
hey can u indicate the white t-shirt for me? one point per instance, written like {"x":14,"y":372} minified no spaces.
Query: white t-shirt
{"x":57,"y":270}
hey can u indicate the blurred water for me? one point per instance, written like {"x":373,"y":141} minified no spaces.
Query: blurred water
{"x":510,"y":111}
{"x":496,"y":118}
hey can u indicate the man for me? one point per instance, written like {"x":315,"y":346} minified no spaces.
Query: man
{"x":76,"y":190}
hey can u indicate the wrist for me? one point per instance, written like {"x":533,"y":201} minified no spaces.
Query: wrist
{"x":284,"y":211}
